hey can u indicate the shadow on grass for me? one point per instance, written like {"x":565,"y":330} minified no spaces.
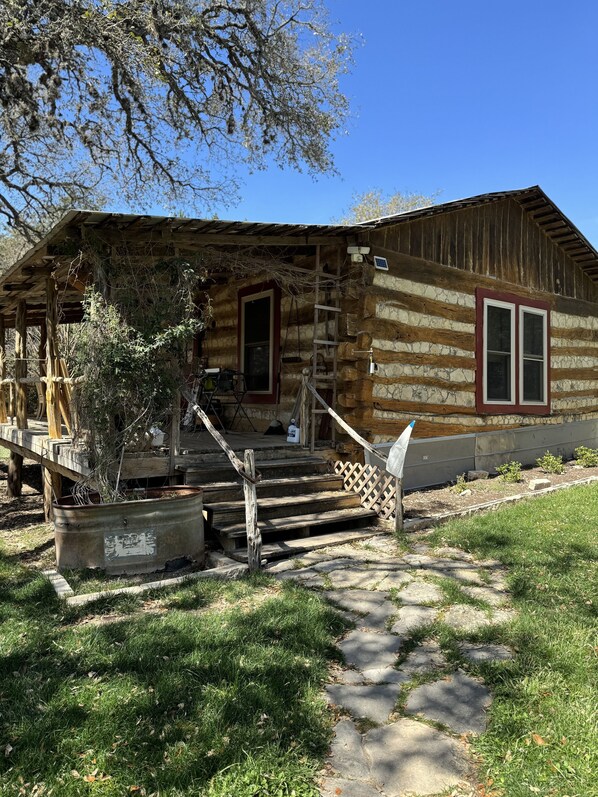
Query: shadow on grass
{"x":161,"y":702}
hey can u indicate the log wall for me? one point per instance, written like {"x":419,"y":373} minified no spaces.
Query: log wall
{"x":419,"y":318}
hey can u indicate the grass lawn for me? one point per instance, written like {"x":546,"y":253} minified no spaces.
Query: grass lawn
{"x":213,"y":689}
{"x":542,"y":737}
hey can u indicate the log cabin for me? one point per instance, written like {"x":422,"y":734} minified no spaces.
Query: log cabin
{"x":473,"y":316}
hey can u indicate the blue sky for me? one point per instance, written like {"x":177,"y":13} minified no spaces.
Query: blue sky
{"x":459,"y":96}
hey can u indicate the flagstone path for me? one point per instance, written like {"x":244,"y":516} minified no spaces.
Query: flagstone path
{"x":405,"y":707}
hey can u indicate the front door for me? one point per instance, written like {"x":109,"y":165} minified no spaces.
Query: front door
{"x":259,"y":341}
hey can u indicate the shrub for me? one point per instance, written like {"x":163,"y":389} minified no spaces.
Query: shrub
{"x":550,"y":463}
{"x":510,"y":472}
{"x":460,"y":484}
{"x":586,"y":457}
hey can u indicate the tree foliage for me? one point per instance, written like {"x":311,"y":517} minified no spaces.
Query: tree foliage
{"x":159,"y":95}
{"x":375,"y":204}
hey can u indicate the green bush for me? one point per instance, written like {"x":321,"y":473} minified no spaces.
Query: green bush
{"x":550,"y":463}
{"x":460,"y":484}
{"x":510,"y":472}
{"x":586,"y":457}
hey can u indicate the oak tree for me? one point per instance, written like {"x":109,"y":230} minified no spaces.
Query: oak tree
{"x":159,"y":100}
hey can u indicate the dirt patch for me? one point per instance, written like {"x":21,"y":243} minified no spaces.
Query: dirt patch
{"x":434,"y":501}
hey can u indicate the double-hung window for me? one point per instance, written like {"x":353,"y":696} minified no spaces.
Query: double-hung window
{"x":512,"y":354}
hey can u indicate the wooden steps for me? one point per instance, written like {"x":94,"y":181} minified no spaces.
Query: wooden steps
{"x":301,"y":505}
{"x":292,"y":547}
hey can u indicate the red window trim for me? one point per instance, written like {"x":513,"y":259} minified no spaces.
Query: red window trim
{"x":271,"y":285}
{"x":517,"y":408}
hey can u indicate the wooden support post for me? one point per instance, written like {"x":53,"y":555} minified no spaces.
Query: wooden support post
{"x":52,"y":490}
{"x":254,"y":536}
{"x":174,"y":445}
{"x":304,"y":409}
{"x":21,"y":362}
{"x":3,"y":414}
{"x":399,"y":505}
{"x":52,"y":406}
{"x":14,"y":480}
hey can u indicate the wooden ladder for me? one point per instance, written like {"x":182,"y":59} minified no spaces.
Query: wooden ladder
{"x":327,"y":311}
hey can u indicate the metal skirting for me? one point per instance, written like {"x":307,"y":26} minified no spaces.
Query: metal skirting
{"x":435,"y":460}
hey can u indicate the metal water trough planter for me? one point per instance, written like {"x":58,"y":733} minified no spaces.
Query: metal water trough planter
{"x":137,"y":536}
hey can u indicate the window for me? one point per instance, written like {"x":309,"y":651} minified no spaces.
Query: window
{"x":512,"y":355}
{"x":258,"y":343}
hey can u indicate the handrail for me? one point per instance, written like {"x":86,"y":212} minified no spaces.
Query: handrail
{"x":349,"y":429}
{"x":234,"y":460}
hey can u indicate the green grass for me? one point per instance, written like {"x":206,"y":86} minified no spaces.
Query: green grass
{"x":215,"y":692}
{"x":542,"y":736}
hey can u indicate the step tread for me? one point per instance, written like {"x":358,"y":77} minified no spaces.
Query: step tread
{"x":271,"y":550}
{"x":281,"y":500}
{"x":289,"y":480}
{"x":296,"y":521}
{"x":266,"y":464}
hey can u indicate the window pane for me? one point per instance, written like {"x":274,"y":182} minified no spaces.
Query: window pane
{"x":533,"y":335}
{"x":257,"y":320}
{"x":257,"y":367}
{"x":498,"y":332}
{"x":498,"y":377}
{"x":533,"y":380}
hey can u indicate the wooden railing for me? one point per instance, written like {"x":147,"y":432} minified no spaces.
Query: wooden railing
{"x":250,"y":476}
{"x":377,"y":489}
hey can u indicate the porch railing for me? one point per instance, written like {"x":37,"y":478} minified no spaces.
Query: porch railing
{"x":377,"y":489}
{"x":250,"y":476}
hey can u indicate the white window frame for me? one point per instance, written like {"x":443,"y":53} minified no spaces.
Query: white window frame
{"x":544,"y":313}
{"x":251,"y":297}
{"x":512,"y":307}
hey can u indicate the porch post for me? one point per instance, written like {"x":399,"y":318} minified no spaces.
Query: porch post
{"x":52,"y":408}
{"x":3,"y":414}
{"x":21,"y":363}
{"x":52,"y":490}
{"x":174,"y":445}
{"x":399,"y":505}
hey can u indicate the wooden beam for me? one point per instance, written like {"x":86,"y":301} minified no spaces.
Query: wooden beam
{"x":21,"y":363}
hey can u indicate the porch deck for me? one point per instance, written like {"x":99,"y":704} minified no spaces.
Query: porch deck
{"x":198,"y":447}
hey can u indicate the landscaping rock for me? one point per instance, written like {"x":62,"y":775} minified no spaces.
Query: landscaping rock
{"x":350,"y":677}
{"x":412,"y":617}
{"x":539,"y":484}
{"x":367,"y":649}
{"x":385,"y":675}
{"x":474,"y":475}
{"x":375,"y":701}
{"x":409,"y":757}
{"x":419,"y":592}
{"x":459,"y":702}
{"x":378,"y":618}
{"x":480,"y":652}
{"x":393,"y":580}
{"x":346,"y":754}
{"x":354,"y":578}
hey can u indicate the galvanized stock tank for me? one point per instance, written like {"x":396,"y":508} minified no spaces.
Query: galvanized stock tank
{"x":139,"y":535}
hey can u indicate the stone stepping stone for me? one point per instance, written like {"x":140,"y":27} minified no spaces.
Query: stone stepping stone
{"x":357,"y":600}
{"x":459,"y":702}
{"x":305,"y":577}
{"x":464,"y":575}
{"x":354,"y":578}
{"x":393,"y":580}
{"x":425,"y":658}
{"x":412,"y":617}
{"x":419,"y":592}
{"x":481,"y":652}
{"x":491,"y":595}
{"x":335,"y":787}
{"x":375,"y":701}
{"x":350,"y":677}
{"x":408,"y":757}
{"x":378,"y":618}
{"x":367,"y":649}
{"x":346,"y":754}
{"x":333,"y":564}
{"x":462,"y":617}
{"x":385,"y":675}
{"x":454,"y":553}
